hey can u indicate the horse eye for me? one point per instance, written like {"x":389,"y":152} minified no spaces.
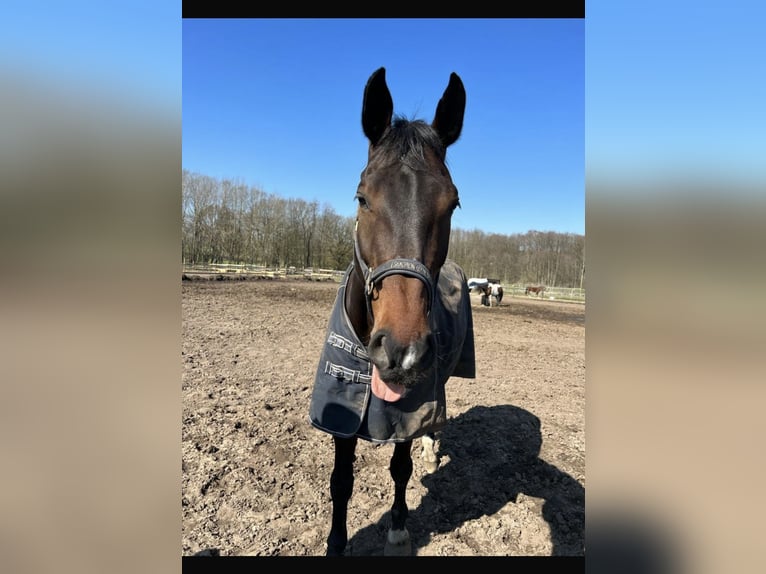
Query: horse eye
{"x":362,"y":202}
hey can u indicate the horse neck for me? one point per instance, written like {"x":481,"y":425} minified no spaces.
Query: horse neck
{"x":356,"y":305}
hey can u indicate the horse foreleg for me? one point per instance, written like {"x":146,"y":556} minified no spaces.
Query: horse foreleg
{"x":341,"y":486}
{"x":428,"y":454}
{"x":398,"y":539}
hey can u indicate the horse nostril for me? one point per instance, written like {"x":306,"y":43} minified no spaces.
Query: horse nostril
{"x":388,"y":355}
{"x":377,"y":350}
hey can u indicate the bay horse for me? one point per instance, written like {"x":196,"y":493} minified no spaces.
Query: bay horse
{"x":540,"y":290}
{"x":401,"y":323}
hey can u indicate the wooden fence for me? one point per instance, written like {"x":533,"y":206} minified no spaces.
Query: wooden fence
{"x":551,"y":293}
{"x":263,"y":271}
{"x":515,"y":290}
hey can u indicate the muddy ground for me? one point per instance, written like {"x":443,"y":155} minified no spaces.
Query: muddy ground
{"x":255,"y":473}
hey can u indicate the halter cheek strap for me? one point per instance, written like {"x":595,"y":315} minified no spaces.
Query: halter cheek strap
{"x":396,"y":266}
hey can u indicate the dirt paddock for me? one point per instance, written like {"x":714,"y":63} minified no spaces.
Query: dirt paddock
{"x":255,"y":473}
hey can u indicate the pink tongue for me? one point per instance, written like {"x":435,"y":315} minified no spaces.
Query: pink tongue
{"x":386,"y":391}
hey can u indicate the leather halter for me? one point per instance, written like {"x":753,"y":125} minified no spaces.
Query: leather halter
{"x":396,"y":266}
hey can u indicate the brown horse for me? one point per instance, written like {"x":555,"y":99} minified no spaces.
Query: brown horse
{"x":539,"y":290}
{"x":401,"y":324}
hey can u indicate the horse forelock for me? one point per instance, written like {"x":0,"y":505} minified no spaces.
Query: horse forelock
{"x":406,"y":141}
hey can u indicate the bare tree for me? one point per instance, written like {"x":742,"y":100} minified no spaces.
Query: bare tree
{"x":199,"y":202}
{"x":334,"y":239}
{"x":229,"y":221}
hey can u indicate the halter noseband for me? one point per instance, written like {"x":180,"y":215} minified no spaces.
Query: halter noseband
{"x":396,"y":266}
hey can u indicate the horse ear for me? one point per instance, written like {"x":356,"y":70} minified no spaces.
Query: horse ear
{"x":377,"y":107}
{"x":448,"y":121}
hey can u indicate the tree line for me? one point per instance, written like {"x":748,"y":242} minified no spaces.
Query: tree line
{"x":226,"y":221}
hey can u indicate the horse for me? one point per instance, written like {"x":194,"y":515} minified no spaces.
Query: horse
{"x":489,"y":290}
{"x":401,"y":323}
{"x":496,"y":291}
{"x":485,"y":291}
{"x":536,"y":290}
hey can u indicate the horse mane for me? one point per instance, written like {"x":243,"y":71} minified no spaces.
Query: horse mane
{"x":406,"y":141}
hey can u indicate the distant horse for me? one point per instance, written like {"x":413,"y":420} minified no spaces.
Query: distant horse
{"x":490,"y":291}
{"x":401,"y":323}
{"x":485,"y":291}
{"x":540,"y":290}
{"x":496,"y":291}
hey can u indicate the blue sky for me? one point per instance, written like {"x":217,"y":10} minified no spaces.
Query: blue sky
{"x":668,"y":88}
{"x":276,"y":104}
{"x":676,"y":89}
{"x":123,"y":50}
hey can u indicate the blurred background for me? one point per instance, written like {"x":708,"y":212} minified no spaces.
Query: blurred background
{"x":90,"y":172}
{"x":675,"y":330}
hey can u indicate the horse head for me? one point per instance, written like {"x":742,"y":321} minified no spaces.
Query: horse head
{"x":406,"y":198}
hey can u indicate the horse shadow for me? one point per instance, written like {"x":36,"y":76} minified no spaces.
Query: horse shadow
{"x":493,"y":457}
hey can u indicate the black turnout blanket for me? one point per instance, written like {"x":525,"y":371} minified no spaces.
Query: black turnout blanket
{"x":342,"y":402}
